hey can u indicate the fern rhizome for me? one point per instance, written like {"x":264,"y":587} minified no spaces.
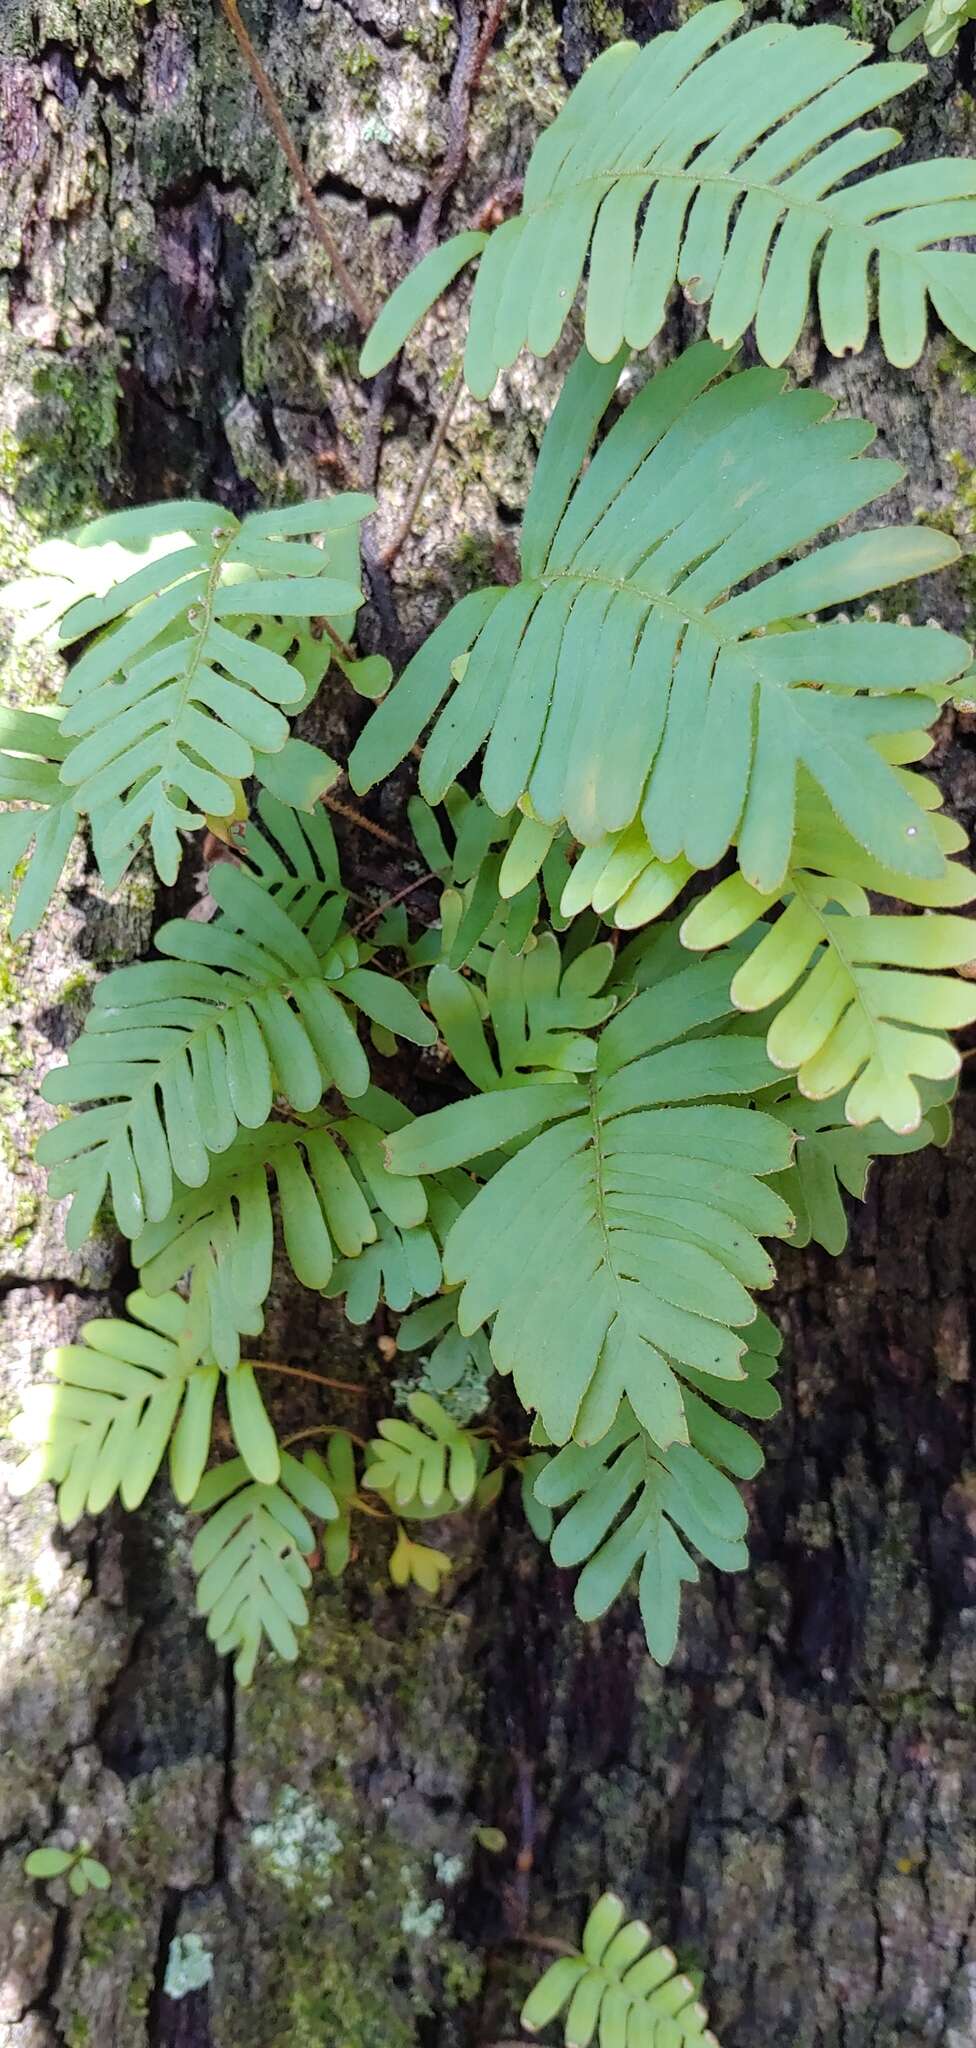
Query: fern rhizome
{"x":699,"y":908}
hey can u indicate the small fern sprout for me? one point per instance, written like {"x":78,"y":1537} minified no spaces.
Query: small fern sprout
{"x":617,"y":1985}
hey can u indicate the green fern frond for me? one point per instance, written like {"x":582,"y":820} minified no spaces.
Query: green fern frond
{"x":703,"y":719}
{"x":938,"y":21}
{"x":224,"y":1231}
{"x":832,"y":1159}
{"x":633,"y":1994}
{"x":32,"y":750}
{"x":540,"y":1012}
{"x":634,"y":1501}
{"x":453,"y":1357}
{"x":175,"y":700}
{"x":427,"y":1470}
{"x":489,"y":894}
{"x":178,"y":1053}
{"x":742,"y":159}
{"x":617,"y":1248}
{"x":251,"y":1555}
{"x":102,"y":1424}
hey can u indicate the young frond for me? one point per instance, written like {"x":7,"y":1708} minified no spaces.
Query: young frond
{"x":452,"y":1357}
{"x":251,"y":1556}
{"x":634,"y":1994}
{"x":176,"y":697}
{"x":539,"y":1012}
{"x":426,"y":1467}
{"x":490,"y":893}
{"x":938,"y":21}
{"x":178,"y":1053}
{"x":224,"y":1232}
{"x":730,"y":171}
{"x":101,"y":1425}
{"x":646,"y":563}
{"x":618,"y":1248}
{"x":633,"y":1501}
{"x":44,"y":822}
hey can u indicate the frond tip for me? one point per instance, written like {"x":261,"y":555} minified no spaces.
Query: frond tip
{"x":734,"y":169}
{"x":634,"y":1994}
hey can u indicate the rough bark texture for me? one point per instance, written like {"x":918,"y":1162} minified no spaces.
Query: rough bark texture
{"x":794,"y":1802}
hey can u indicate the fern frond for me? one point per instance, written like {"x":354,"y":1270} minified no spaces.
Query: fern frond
{"x":175,"y":700}
{"x":428,"y":1469}
{"x":102,"y":1424}
{"x":701,"y":720}
{"x":867,"y":1008}
{"x":490,"y":893}
{"x":634,"y":1502}
{"x":452,"y":1356}
{"x":938,"y":21}
{"x":224,"y":1231}
{"x":742,"y":160}
{"x":178,"y":1053}
{"x":832,"y":1159}
{"x":251,"y":1557}
{"x":616,"y":1250}
{"x":633,"y":1994}
{"x":32,"y":750}
{"x":539,"y":1011}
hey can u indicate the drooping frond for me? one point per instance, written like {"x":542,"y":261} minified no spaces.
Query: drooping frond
{"x":224,"y":1232}
{"x":633,"y":1502}
{"x":178,"y":1053}
{"x":618,"y":1247}
{"x":628,"y":674}
{"x":178,"y":696}
{"x":635,"y":1995}
{"x":101,"y":1425}
{"x":251,"y":1556}
{"x":730,"y":171}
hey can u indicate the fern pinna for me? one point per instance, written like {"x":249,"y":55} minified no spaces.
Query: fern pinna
{"x":693,"y":965}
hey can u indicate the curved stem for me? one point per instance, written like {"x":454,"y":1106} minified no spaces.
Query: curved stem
{"x":300,"y":1372}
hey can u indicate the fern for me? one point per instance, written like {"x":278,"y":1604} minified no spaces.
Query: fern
{"x":741,"y":158}
{"x":634,"y":1502}
{"x":832,"y":1160}
{"x":430,"y":1464}
{"x":484,"y":900}
{"x":634,"y":1994}
{"x":540,"y":1011}
{"x":102,"y":1425}
{"x":251,"y":1557}
{"x":177,"y":697}
{"x":617,"y":1248}
{"x":178,"y":1054}
{"x":939,"y":21}
{"x":704,"y":722}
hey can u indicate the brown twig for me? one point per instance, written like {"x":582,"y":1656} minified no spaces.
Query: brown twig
{"x":354,"y":817}
{"x":348,"y":653}
{"x":550,"y":1942}
{"x":474,"y":43}
{"x":390,"y":901}
{"x":286,"y":142}
{"x":323,"y":1429}
{"x":389,"y":555}
{"x":299,"y":1372}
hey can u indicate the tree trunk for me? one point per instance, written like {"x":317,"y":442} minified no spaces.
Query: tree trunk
{"x":792,"y":1804}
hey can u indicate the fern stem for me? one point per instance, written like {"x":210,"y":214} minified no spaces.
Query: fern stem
{"x":337,"y":640}
{"x":354,"y":817}
{"x":389,"y":554}
{"x":286,"y":143}
{"x":323,"y":1429}
{"x":301,"y":1372}
{"x":389,"y":902}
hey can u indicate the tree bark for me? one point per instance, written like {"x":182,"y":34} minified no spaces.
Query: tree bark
{"x":793,"y":1803}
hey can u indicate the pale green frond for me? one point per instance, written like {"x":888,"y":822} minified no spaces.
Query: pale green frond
{"x":177,"y":1054}
{"x":736,"y":172}
{"x":617,"y":1250}
{"x":833,"y":1159}
{"x":101,"y":1425}
{"x":635,"y":1506}
{"x":224,"y":1232}
{"x":540,"y":1012}
{"x":250,"y":1557}
{"x":426,"y":1467}
{"x":631,"y":675}
{"x":938,"y":21}
{"x":40,"y":829}
{"x":619,"y":1987}
{"x":176,"y":699}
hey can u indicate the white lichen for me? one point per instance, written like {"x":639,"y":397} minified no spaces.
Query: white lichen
{"x":189,"y":1966}
{"x":299,"y":1845}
